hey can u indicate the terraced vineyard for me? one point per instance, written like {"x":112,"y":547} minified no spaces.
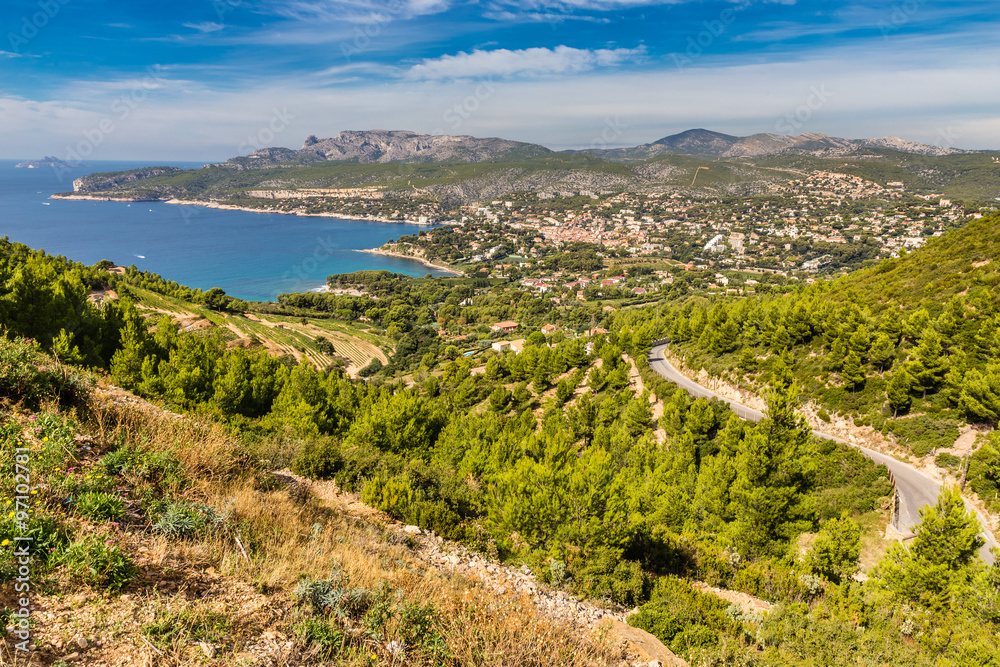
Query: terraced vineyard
{"x":280,"y":335}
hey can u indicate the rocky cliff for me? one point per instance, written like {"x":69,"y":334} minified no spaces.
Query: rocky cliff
{"x":109,"y":180}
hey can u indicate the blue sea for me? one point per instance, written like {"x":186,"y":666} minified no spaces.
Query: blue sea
{"x":249,"y":255}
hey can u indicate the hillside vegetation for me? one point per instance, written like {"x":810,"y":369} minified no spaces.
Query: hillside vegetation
{"x":570,"y":459}
{"x":452,"y":180}
{"x":909,"y":346}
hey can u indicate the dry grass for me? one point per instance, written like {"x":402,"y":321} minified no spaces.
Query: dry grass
{"x":245,"y":574}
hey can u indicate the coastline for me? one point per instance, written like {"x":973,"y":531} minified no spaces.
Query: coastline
{"x":245,"y":209}
{"x":399,"y":255}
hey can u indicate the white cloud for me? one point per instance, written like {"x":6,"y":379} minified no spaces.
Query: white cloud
{"x":869,"y":97}
{"x":353,"y":11}
{"x":206,"y":26}
{"x":531,"y":62}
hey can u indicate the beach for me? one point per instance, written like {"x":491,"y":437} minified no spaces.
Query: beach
{"x":399,"y":255}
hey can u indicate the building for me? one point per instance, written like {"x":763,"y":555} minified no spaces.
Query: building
{"x":505,"y":327}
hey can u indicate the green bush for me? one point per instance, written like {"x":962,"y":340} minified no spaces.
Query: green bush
{"x":96,"y":561}
{"x":823,"y":415}
{"x":27,"y":374}
{"x":99,"y":506}
{"x":605,"y":574}
{"x":949,"y":461}
{"x":47,"y":537}
{"x":319,"y":458}
{"x":684,"y":618}
{"x":924,"y":434}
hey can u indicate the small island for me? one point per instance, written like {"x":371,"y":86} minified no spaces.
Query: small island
{"x":47,"y":161}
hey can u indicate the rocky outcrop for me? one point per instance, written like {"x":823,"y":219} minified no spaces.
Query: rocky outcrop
{"x":110,"y":180}
{"x":47,"y":161}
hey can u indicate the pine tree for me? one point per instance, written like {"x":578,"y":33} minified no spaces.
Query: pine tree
{"x":937,"y":563}
{"x":980,"y":395}
{"x":930,"y":365}
{"x":852,"y":372}
{"x":767,"y":490}
{"x":898,"y":391}
{"x":882,"y":352}
{"x":860,"y":342}
{"x":836,"y":550}
{"x":748,"y":361}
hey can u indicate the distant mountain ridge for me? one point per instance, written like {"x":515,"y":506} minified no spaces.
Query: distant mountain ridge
{"x":381,"y":146}
{"x":706,"y":143}
{"x":466,"y":169}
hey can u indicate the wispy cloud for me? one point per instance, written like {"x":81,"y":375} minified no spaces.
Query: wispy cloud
{"x":206,"y":26}
{"x":531,"y":62}
{"x":352,"y":11}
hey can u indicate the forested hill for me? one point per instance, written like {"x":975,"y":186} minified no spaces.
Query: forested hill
{"x":961,"y":262}
{"x":909,"y":347}
{"x":569,"y":458}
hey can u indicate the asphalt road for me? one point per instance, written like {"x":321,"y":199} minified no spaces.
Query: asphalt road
{"x":914,"y":489}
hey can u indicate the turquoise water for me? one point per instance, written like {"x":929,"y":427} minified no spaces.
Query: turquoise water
{"x":249,"y":255}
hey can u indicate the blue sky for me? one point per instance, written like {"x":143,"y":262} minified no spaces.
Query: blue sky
{"x":209,"y":79}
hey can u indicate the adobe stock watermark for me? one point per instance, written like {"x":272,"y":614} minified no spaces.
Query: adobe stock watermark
{"x":613,"y":128}
{"x":364,"y":34}
{"x":32,"y":24}
{"x":947,"y":137}
{"x":900,"y":15}
{"x":305,"y":270}
{"x":278,"y":123}
{"x":121,"y":108}
{"x":21,"y":616}
{"x":460,"y":111}
{"x":698,"y":43}
{"x":793,"y":121}
{"x":223,"y":7}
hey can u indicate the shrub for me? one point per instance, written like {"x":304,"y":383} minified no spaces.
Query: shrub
{"x":946,"y":460}
{"x":160,"y":468}
{"x":683,"y":618}
{"x":605,"y":575}
{"x":98,"y":562}
{"x":823,"y":415}
{"x":318,"y":459}
{"x":47,"y":537}
{"x":373,"y":367}
{"x":333,"y":596}
{"x":99,"y":506}
{"x":26,"y":373}
{"x":924,"y":434}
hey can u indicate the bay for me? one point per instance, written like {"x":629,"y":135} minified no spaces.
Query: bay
{"x":250,"y":255}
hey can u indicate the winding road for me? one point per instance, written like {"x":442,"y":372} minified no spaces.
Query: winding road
{"x":914,"y":489}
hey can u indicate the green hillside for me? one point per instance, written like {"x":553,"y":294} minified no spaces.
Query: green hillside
{"x":909,"y":347}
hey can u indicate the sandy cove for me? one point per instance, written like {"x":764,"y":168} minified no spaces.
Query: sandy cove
{"x":399,"y":255}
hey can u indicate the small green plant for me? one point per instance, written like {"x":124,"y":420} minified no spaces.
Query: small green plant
{"x":100,"y":563}
{"x":320,"y":633}
{"x":160,"y":468}
{"x":182,"y":518}
{"x":823,"y":415}
{"x":332,"y":596}
{"x":99,"y":506}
